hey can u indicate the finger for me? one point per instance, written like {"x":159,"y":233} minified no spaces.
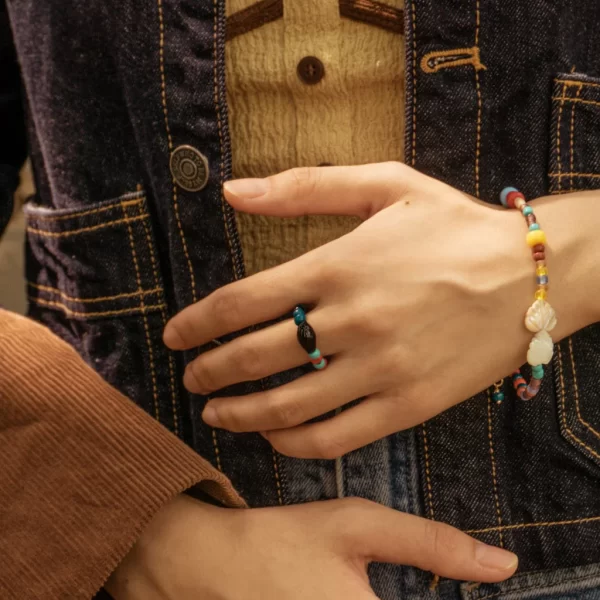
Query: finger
{"x":374,"y":418}
{"x":250,"y":301}
{"x":381,"y":534}
{"x":287,"y":406}
{"x":263,"y":353}
{"x":356,"y":191}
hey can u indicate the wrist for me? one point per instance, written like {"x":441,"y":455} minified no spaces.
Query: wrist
{"x":570,"y":223}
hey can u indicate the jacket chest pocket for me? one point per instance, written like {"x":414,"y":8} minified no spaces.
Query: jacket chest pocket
{"x":574,"y":167}
{"x":575,"y":134}
{"x":94,"y":278}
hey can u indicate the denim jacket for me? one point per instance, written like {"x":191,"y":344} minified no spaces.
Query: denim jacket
{"x":497,"y":93}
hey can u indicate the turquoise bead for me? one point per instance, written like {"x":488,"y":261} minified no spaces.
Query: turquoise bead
{"x":314,"y":355}
{"x":321,"y":365}
{"x":299,"y":315}
{"x":504,"y":193}
{"x":538,"y":371}
{"x":534,"y":227}
{"x":498,"y":397}
{"x":527,"y":211}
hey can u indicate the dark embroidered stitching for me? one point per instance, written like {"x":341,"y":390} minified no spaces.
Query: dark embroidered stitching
{"x":375,"y":13}
{"x":253,"y":17}
{"x":437,"y":60}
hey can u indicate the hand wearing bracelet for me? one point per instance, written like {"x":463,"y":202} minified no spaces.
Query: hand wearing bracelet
{"x":416,"y":310}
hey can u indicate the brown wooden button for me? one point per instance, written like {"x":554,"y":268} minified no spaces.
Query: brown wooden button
{"x":189,"y":168}
{"x":311,"y":70}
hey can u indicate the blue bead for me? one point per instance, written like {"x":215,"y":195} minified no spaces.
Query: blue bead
{"x":498,"y":397}
{"x":542,"y":280}
{"x":316,"y":354}
{"x":516,"y":376}
{"x":320,"y":365}
{"x":538,"y":371}
{"x":527,"y":211}
{"x":504,"y":193}
{"x":299,"y":315}
{"x":534,"y":227}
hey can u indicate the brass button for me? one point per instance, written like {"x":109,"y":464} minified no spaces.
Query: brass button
{"x":311,"y":70}
{"x":189,"y":168}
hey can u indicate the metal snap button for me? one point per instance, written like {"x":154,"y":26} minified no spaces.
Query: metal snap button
{"x":311,"y":70}
{"x":189,"y":168}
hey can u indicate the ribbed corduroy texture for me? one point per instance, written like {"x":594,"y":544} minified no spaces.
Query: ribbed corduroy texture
{"x":83,"y":470}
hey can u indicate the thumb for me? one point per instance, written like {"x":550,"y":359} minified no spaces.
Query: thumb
{"x":355,"y":191}
{"x":383,"y":535}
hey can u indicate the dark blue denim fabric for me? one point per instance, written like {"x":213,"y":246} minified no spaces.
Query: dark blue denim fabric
{"x":115,"y":247}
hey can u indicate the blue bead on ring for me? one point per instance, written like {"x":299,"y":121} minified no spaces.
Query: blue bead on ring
{"x":307,"y":338}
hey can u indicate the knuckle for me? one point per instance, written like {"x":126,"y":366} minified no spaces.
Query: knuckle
{"x":441,"y":540}
{"x":250,"y":362}
{"x":285,"y":412}
{"x":226,"y":307}
{"x":203,"y":376}
{"x":305,"y":179}
{"x":328,"y":447}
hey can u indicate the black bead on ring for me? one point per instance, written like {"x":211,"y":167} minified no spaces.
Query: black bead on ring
{"x":308,"y":339}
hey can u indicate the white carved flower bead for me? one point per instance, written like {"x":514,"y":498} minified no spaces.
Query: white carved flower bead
{"x":540,"y":317}
{"x":541,"y":349}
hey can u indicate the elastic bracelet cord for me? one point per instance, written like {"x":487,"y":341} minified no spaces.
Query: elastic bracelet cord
{"x":540,"y":318}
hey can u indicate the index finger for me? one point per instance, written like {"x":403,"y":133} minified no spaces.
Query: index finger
{"x":250,"y":301}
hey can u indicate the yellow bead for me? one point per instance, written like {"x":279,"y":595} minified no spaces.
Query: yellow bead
{"x":536,"y":237}
{"x":541,"y":295}
{"x":540,"y":271}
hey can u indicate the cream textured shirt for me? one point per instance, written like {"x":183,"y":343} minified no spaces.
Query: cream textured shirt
{"x":353,"y":115}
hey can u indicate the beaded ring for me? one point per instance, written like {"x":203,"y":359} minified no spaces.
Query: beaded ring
{"x":540,"y":318}
{"x":308,"y":339}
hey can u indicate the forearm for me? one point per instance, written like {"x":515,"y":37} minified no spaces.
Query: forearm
{"x":572,"y":224}
{"x":84,"y":469}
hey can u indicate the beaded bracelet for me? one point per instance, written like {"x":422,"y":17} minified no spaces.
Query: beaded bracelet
{"x":540,"y":318}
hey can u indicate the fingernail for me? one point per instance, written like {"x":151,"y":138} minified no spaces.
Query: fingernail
{"x":210,"y":416}
{"x":247,"y":188}
{"x":491,"y":557}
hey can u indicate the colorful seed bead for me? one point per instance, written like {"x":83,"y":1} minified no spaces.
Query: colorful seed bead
{"x":498,"y":397}
{"x":299,"y":315}
{"x":536,"y":237}
{"x":504,"y":195}
{"x":513,"y":197}
{"x":321,"y":365}
{"x":315,"y":355}
{"x":538,"y":371}
{"x":540,"y":317}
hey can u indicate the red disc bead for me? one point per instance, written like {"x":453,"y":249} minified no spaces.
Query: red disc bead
{"x":539,"y":248}
{"x":539,"y":256}
{"x":510,"y":198}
